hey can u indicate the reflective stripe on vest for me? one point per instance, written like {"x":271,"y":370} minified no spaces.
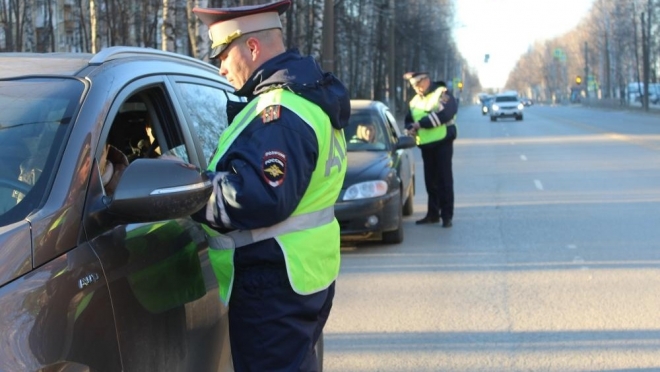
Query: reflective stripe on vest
{"x":420,"y":106}
{"x":311,"y":266}
{"x":240,"y":238}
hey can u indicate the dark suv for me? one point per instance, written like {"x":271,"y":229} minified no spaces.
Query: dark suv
{"x":101,"y":269}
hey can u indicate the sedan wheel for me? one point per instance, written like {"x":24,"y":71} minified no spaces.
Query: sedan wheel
{"x":408,"y":206}
{"x":396,"y":236}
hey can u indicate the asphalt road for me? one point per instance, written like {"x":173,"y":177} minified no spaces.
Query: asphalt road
{"x":553,"y":263}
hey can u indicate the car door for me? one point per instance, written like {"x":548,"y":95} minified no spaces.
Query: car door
{"x":57,"y":317}
{"x":165,"y":296}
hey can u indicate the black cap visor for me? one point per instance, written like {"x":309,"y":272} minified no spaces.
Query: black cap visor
{"x":215,"y":52}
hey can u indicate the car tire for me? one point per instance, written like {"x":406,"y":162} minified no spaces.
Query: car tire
{"x":408,"y":206}
{"x":395,"y":236}
{"x":493,"y":118}
{"x":519,"y":117}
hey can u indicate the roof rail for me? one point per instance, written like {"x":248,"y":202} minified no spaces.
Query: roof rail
{"x":115,"y":52}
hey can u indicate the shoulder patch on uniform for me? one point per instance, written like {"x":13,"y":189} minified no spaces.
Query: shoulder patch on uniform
{"x":274,"y":167}
{"x":270,"y":113}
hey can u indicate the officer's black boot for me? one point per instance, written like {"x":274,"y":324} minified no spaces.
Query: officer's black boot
{"x":428,"y":219}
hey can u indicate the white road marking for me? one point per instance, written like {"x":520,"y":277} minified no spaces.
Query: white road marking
{"x":571,"y":246}
{"x":538,"y":184}
{"x":579,"y":260}
{"x":523,"y":157}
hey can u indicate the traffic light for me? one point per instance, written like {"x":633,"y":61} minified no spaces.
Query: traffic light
{"x":578,"y":80}
{"x":460,"y":86}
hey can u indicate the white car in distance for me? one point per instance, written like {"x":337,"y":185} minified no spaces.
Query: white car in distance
{"x":506,"y":105}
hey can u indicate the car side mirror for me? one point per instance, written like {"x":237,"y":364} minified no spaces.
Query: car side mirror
{"x":158,"y":189}
{"x":405,"y":142}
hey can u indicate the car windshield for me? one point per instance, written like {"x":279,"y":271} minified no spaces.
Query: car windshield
{"x":34,"y":116}
{"x":364,"y":133}
{"x":506,"y":99}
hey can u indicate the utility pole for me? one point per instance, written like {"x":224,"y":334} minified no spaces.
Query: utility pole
{"x":608,"y":82}
{"x":391,"y":57}
{"x":639,"y":88}
{"x":645,"y":61}
{"x":586,"y":68}
{"x":328,"y":54}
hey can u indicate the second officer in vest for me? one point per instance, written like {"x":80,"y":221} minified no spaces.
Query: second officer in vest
{"x":431,"y":117}
{"x":277,"y":172}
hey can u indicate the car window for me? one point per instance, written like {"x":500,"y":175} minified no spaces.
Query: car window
{"x":142,"y":128}
{"x":207,"y":109}
{"x":392,"y":128}
{"x":365,"y":133}
{"x":34,"y":118}
{"x":506,"y":99}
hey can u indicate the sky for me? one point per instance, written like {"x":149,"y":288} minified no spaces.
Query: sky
{"x":505,"y":29}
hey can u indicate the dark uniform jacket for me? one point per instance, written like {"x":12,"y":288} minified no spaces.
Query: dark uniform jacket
{"x":446,"y":114}
{"x":250,"y":198}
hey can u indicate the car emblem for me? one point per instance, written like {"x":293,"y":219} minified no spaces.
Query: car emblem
{"x":87,"y":280}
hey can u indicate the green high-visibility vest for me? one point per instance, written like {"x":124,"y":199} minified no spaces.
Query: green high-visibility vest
{"x":309,"y":238}
{"x":420,"y":106}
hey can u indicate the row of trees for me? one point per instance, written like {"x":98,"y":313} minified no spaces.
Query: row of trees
{"x":615,"y":44}
{"x":368,"y":35}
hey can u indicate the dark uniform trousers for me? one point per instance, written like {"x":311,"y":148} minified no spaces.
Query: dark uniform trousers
{"x":438,"y":176}
{"x":273,"y":328}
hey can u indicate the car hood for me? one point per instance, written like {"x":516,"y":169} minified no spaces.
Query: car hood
{"x":365,"y":165}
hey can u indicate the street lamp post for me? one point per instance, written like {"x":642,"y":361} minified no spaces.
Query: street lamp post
{"x":328,"y":54}
{"x":391,"y":69}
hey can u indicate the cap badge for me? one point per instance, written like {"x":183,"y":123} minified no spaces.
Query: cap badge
{"x":228,"y":39}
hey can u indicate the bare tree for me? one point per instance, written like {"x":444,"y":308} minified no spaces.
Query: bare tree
{"x":167,"y":26}
{"x":198,"y":32}
{"x":82,"y":31}
{"x":17,"y":11}
{"x":364,"y":56}
{"x":28,"y":26}
{"x":93,"y":21}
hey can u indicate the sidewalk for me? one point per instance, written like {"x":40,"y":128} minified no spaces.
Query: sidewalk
{"x":615,"y":104}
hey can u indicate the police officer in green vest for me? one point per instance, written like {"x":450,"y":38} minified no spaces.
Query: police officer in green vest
{"x":277,"y":173}
{"x":431,"y":117}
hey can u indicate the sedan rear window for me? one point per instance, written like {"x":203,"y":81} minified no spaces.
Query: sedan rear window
{"x":35,"y":114}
